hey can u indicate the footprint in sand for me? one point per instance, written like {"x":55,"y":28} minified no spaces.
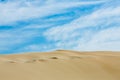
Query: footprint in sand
{"x":75,"y":57}
{"x":11,"y":61}
{"x":54,"y":57}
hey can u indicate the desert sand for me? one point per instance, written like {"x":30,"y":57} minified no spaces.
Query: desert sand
{"x":61,"y":65}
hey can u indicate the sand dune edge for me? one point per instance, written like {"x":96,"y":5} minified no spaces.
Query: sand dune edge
{"x":61,"y":65}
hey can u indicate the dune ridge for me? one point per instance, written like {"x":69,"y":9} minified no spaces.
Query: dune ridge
{"x":61,"y":65}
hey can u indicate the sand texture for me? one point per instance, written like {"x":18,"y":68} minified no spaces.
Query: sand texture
{"x":61,"y":65}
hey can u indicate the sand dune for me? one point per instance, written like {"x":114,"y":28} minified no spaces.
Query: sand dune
{"x":61,"y":65}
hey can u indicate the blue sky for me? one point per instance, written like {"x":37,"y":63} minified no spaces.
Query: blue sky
{"x":46,"y":25}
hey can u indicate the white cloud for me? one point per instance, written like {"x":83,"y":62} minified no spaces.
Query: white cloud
{"x":96,"y":31}
{"x":17,"y":10}
{"x":110,"y":34}
{"x":108,"y":39}
{"x":99,"y":19}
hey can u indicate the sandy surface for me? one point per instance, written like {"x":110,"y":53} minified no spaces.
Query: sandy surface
{"x":61,"y":65}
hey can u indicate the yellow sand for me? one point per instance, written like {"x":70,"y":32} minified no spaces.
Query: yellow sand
{"x":61,"y":65}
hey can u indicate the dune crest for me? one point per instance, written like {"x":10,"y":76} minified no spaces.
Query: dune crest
{"x":61,"y":65}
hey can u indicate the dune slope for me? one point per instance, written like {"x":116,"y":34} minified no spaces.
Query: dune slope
{"x":61,"y":65}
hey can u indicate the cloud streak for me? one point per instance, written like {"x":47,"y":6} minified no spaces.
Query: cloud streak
{"x":45,"y":25}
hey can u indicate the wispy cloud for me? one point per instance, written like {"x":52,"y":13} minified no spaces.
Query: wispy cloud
{"x":44,"y":25}
{"x":13,"y":11}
